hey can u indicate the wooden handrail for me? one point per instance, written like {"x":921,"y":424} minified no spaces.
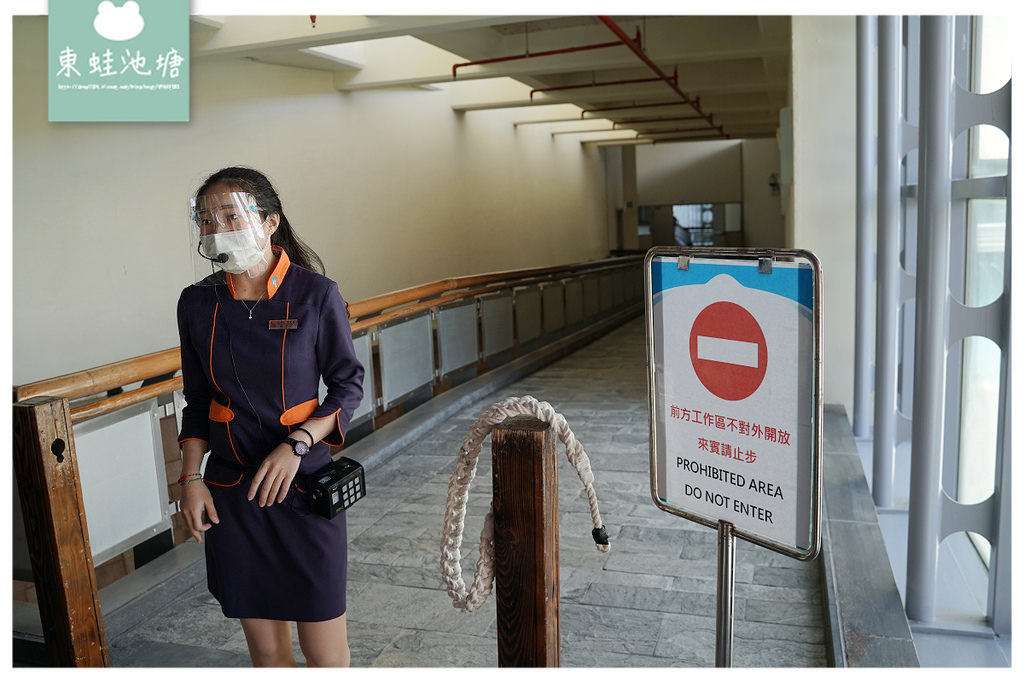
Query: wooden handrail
{"x":380,"y":309}
{"x":417,"y":307}
{"x":103,"y":378}
{"x":112,"y":403}
{"x":383,"y":302}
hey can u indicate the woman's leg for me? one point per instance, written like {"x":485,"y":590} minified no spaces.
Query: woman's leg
{"x":270,"y":642}
{"x":325,"y":643}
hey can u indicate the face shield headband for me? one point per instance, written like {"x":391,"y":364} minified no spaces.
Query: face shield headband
{"x":228,"y":233}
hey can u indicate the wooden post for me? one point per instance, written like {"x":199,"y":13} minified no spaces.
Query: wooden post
{"x":525,"y":500}
{"x":58,"y":540}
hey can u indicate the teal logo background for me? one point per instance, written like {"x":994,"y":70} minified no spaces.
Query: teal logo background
{"x":121,"y":60}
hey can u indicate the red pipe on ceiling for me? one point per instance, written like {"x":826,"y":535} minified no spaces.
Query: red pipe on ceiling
{"x":547,"y":53}
{"x":673,"y":131}
{"x":627,"y":122}
{"x":636,"y":49}
{"x":632,"y":81}
{"x":637,"y":106}
{"x":694,"y":138}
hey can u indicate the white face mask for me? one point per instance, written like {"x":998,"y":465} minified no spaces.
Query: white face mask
{"x":243,"y":250}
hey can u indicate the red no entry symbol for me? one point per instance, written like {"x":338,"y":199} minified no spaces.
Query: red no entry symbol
{"x":728,"y":351}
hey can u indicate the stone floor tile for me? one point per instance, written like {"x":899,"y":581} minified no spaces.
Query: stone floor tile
{"x":650,"y":602}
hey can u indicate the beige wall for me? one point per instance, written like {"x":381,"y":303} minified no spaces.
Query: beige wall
{"x":690,"y":172}
{"x":716,"y":171}
{"x":630,"y":203}
{"x":762,"y":211}
{"x":392,"y":188}
{"x":823,"y":214}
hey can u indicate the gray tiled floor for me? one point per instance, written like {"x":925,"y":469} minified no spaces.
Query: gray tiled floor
{"x":649,"y":602}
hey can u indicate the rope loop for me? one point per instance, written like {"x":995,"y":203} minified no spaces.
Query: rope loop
{"x":458,"y":497}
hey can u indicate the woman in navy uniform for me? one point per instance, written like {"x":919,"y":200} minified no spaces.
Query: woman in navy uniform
{"x":257,"y":335}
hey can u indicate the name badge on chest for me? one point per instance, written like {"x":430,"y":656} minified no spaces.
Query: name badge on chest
{"x":286,"y":324}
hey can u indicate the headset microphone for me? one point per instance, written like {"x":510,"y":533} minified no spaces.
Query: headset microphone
{"x":220,"y":258}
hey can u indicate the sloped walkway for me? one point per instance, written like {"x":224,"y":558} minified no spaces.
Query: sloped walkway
{"x":650,"y":602}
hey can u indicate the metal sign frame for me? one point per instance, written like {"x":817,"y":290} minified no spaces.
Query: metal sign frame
{"x":763,"y":259}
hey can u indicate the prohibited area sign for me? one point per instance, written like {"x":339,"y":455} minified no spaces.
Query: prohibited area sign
{"x":728,"y":351}
{"x":734,"y":375}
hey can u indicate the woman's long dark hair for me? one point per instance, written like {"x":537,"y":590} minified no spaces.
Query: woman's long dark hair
{"x":259,"y":186}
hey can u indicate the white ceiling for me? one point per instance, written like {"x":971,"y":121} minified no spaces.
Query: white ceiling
{"x":641,"y":78}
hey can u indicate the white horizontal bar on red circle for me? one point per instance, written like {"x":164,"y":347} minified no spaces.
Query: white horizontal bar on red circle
{"x":730,"y":351}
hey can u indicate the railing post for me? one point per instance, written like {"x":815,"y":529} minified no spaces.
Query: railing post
{"x":887,"y":300}
{"x":58,"y":540}
{"x":931,"y":333}
{"x":525,"y":503}
{"x":866,"y":196}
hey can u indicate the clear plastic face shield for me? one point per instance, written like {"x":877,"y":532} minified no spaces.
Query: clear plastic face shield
{"x":228,"y":234}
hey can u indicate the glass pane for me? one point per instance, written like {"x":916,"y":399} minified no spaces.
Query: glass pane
{"x":986,"y":243}
{"x":993,"y":43}
{"x":984,"y":253}
{"x":982,"y":545}
{"x":979,"y":421}
{"x":990,"y":148}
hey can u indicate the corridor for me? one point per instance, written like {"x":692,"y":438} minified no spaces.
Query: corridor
{"x":649,"y":602}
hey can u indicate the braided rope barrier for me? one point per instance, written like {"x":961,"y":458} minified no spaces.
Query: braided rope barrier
{"x":458,"y":497}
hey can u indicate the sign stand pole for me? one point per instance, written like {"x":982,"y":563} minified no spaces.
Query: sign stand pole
{"x":713,"y":318}
{"x":726,"y":581}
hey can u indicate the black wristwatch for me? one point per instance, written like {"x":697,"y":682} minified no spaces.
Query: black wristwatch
{"x":299,"y":448}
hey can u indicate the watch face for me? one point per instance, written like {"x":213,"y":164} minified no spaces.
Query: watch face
{"x":299,"y":447}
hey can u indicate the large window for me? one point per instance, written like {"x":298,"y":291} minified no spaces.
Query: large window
{"x":984,"y":249}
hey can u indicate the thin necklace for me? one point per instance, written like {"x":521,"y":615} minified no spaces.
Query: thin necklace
{"x":253,"y":306}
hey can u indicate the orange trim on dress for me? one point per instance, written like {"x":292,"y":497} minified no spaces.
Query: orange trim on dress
{"x":277,"y":275}
{"x":275,"y":278}
{"x":284,"y":337}
{"x":300,"y":413}
{"x":219,"y":413}
{"x":213,"y":379}
{"x":213,"y":331}
{"x":337,"y":422}
{"x":236,"y":482}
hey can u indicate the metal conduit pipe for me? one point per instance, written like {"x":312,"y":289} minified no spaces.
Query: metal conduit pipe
{"x":629,"y":122}
{"x":656,"y":69}
{"x":887,"y":298}
{"x":866,"y":192}
{"x":546,"y":53}
{"x":690,"y":138}
{"x":931,"y":333}
{"x":702,"y":130}
{"x":625,"y":107}
{"x":631,"y":81}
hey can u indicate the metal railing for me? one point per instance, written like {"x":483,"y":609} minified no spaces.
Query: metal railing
{"x":464,"y":326}
{"x":104,"y":389}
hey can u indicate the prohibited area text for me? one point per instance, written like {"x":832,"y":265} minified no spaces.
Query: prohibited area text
{"x":738,"y":506}
{"x":766,"y":488}
{"x":730,"y":502}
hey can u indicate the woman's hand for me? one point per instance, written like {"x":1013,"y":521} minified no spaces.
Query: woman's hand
{"x":196,"y":500}
{"x":275,"y":475}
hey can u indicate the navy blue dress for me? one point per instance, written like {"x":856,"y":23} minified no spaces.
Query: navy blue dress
{"x":247,"y":383}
